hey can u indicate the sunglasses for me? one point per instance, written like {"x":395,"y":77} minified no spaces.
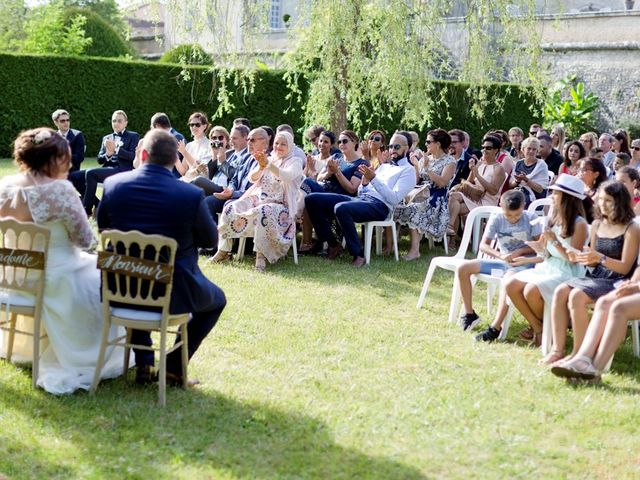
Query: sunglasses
{"x":219,"y":137}
{"x":343,"y":141}
{"x":63,"y":120}
{"x":395,"y":146}
{"x":312,"y":140}
{"x":534,"y":132}
{"x":488,"y":148}
{"x":429,"y":142}
{"x":377,"y":138}
{"x":636,"y":148}
{"x":195,"y":124}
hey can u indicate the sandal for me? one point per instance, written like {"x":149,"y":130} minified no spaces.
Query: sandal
{"x":578,"y":367}
{"x":306,"y":247}
{"x":450,"y":231}
{"x":526,"y":334}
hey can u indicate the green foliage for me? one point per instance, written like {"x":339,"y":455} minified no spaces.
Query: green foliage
{"x":106,"y":9}
{"x":91,"y":89}
{"x":569,"y":105}
{"x":188,"y":54}
{"x":13,"y":14}
{"x":48,"y":30}
{"x":106,"y":41}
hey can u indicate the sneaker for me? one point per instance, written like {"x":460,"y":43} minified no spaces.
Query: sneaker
{"x":489,"y":335}
{"x":469,"y":321}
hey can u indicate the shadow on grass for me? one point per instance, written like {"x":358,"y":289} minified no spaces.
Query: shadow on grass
{"x":120,"y":431}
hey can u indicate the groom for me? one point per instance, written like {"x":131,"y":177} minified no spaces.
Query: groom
{"x":152,"y":200}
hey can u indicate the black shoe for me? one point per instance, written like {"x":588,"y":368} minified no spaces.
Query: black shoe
{"x":146,"y":374}
{"x":489,"y":335}
{"x":207,"y":252}
{"x":469,"y":321}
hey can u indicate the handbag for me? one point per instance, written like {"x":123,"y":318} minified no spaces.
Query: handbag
{"x":418,"y":194}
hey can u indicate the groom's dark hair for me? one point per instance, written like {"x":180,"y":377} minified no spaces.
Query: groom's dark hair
{"x":161,"y":147}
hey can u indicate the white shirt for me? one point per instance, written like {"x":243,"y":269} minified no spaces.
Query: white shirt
{"x":391,"y":184}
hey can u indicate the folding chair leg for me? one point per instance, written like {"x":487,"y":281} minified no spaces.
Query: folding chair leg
{"x":295,"y":251}
{"x":103,"y":347}
{"x":127,"y":353}
{"x":12,"y":335}
{"x":368,"y":233}
{"x":425,"y":285}
{"x":184,"y":336}
{"x":455,"y":301}
{"x":395,"y":241}
{"x":241,"y":244}
{"x":445,"y":240}
{"x":162,"y":374}
{"x":35,"y":366}
{"x":379,"y":235}
{"x":635,"y":338}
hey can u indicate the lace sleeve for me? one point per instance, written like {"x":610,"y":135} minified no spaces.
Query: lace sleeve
{"x":59,"y":201}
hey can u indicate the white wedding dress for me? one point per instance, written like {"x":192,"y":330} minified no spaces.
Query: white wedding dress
{"x":72,"y":311}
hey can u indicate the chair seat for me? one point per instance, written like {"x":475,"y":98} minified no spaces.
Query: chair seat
{"x":18,"y":299}
{"x":131,"y":314}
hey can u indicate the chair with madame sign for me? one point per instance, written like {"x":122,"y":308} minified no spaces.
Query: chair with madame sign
{"x":23,"y":256}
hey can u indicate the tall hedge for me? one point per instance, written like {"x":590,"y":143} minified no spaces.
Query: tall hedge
{"x":33,"y":86}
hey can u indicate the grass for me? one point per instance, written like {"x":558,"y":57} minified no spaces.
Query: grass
{"x":321,"y":371}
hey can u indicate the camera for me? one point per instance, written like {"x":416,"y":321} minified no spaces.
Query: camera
{"x":216,"y":144}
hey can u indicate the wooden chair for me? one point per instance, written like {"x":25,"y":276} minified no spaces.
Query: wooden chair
{"x":137,"y":272}
{"x":23,"y":256}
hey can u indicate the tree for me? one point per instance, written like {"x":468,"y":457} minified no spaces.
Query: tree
{"x":365,"y":60}
{"x":46,"y":31}
{"x":107,"y":9}
{"x":12,"y":17}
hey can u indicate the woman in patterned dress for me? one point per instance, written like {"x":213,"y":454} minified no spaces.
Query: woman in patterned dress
{"x":267,"y":209}
{"x":429,"y":216}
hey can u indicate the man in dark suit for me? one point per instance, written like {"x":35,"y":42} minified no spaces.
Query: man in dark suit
{"x":152,"y":200}
{"x":116,"y":155}
{"x":62,"y":120}
{"x":461,"y":155}
{"x":550,"y":155}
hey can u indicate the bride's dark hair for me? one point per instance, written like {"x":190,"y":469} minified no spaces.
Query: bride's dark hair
{"x":38,"y":149}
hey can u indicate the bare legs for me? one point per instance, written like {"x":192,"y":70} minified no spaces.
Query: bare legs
{"x":307,"y":232}
{"x":464,"y":273}
{"x":414,"y":249}
{"x":527,"y":299}
{"x":457,"y":207}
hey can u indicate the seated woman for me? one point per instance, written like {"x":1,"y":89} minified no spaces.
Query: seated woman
{"x":198,"y":151}
{"x":374,"y":147}
{"x":481,"y":188}
{"x":317,"y":163}
{"x":531,"y":174}
{"x":567,"y":229}
{"x":266,"y":211}
{"x":593,"y":173}
{"x":620,"y":142}
{"x":72,"y":310}
{"x":214,"y":176}
{"x":589,"y":141}
{"x":630,"y":177}
{"x":558,"y":137}
{"x":573,"y":152}
{"x":509,"y":229}
{"x":612,"y":257}
{"x":427,"y":212}
{"x":341,"y":176}
{"x":607,"y":330}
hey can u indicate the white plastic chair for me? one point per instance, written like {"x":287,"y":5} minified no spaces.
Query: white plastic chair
{"x":452,"y":263}
{"x":378,"y":226}
{"x":243,"y":240}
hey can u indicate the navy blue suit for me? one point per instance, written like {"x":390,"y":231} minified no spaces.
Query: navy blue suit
{"x":462,"y":168}
{"x":76,"y":142}
{"x":152,"y":200}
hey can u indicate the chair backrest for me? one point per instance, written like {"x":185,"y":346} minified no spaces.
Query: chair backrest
{"x":551,"y":176}
{"x":137,"y":269}
{"x":475,"y":216}
{"x":541,"y":204}
{"x":23,"y":256}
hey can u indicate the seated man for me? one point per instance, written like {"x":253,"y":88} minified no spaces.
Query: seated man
{"x":116,"y":155}
{"x":380,"y":191}
{"x":74,"y":137}
{"x":152,"y":200}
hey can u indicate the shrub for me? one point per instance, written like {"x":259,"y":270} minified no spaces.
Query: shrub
{"x":91,"y":89}
{"x":189,"y":54}
{"x":106,"y":41}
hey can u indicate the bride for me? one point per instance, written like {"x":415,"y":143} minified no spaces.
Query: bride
{"x":72,"y":312}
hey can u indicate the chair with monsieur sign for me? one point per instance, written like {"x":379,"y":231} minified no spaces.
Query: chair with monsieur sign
{"x":137,"y":278}
{"x":23,"y":256}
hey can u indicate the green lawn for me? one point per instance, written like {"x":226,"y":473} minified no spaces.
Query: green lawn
{"x":321,"y":371}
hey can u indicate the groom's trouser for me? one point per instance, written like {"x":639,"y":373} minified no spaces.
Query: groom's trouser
{"x":198,"y":328}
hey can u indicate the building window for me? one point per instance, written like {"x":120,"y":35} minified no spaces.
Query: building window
{"x":275,"y":15}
